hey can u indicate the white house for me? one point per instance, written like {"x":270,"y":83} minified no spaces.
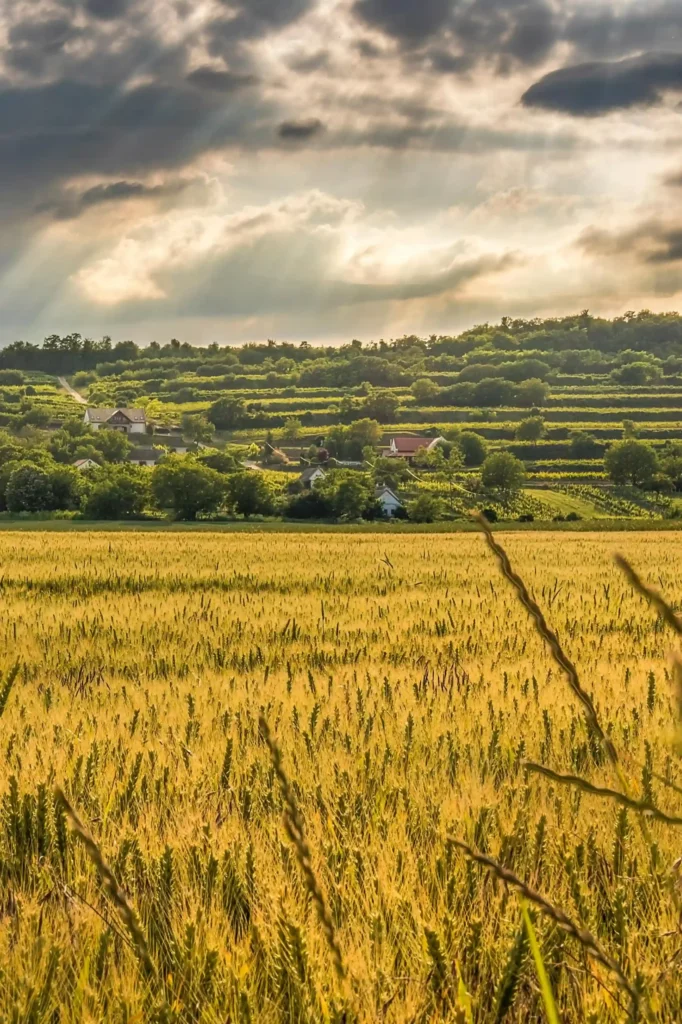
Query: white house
{"x":129,"y":421}
{"x":312,"y":476}
{"x":85,"y":464}
{"x":389,"y":501}
{"x":407,"y":447}
{"x":146,"y":456}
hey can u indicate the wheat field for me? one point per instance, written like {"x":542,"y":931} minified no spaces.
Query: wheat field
{"x":309,"y":868}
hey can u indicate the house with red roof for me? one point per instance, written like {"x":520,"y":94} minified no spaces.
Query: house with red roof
{"x":407,"y":447}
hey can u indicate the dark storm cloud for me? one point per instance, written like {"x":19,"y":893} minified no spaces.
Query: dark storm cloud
{"x":498,"y":32}
{"x":30,"y":43}
{"x":107,"y":10}
{"x":300,"y":131}
{"x":649,"y":242}
{"x":57,"y":130}
{"x":596,"y":88}
{"x":606,"y":30}
{"x":221,"y":81}
{"x":406,"y":20}
{"x":72,"y":206}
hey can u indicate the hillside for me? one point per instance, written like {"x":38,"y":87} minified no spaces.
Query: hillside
{"x":556,"y":394}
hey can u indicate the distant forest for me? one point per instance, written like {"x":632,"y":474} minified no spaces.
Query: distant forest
{"x":636,"y":348}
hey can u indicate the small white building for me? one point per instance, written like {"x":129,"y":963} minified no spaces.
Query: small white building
{"x":389,"y":501}
{"x":312,"y":476}
{"x":83,"y":465}
{"x":146,"y":456}
{"x":128,"y":421}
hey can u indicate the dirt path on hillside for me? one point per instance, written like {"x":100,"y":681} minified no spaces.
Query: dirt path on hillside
{"x":72,"y":391}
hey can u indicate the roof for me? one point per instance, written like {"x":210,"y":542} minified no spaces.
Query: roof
{"x":411,"y":444}
{"x":310,"y":472}
{"x":386,"y":490}
{"x":146,"y":455}
{"x":104,"y":415}
{"x":171,"y":441}
{"x":80,"y":463}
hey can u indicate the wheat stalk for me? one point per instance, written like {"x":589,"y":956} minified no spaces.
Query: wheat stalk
{"x":651,"y":595}
{"x":118,"y":898}
{"x":585,"y":938}
{"x":550,"y":638}
{"x":642,"y":806}
{"x":293,"y":823}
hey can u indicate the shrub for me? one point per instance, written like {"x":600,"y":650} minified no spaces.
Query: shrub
{"x":309,"y":505}
{"x":119,"y":492}
{"x":425,"y":509}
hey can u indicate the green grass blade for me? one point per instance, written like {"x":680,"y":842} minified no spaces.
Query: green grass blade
{"x":545,"y":987}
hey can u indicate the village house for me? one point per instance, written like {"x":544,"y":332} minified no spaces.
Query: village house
{"x":389,"y":501}
{"x":146,"y":456}
{"x":85,"y":464}
{"x":408,"y":447}
{"x":312,"y":476}
{"x":128,"y":421}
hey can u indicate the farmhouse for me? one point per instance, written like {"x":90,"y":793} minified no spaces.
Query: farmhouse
{"x":129,"y":421}
{"x":312,"y":476}
{"x":407,"y":447}
{"x":389,"y":501}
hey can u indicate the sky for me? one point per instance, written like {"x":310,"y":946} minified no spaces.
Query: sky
{"x":237,"y":170}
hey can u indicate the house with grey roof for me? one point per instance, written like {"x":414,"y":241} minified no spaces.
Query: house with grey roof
{"x":129,"y":421}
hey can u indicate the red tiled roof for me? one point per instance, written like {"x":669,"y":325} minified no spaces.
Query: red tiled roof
{"x":411,"y":444}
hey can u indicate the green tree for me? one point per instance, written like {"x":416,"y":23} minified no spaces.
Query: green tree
{"x":390,"y":472}
{"x":292,"y":429}
{"x":530,"y":393}
{"x":503,"y":471}
{"x":249,"y":494}
{"x":448,"y":468}
{"x":348,"y":442}
{"x":68,"y":487}
{"x":119,"y":492}
{"x":228,"y":414}
{"x":309,"y":505}
{"x":472,"y":447}
{"x":424,"y":390}
{"x":11,"y":378}
{"x":196,"y":427}
{"x":29,"y":489}
{"x":631,"y":462}
{"x":531,"y":429}
{"x":350,"y":494}
{"x":672,"y":467}
{"x":381,"y":406}
{"x":425,"y":509}
{"x":637,"y":374}
{"x":583,"y":445}
{"x":113,"y":445}
{"x":188,"y":487}
{"x":218,"y":459}
{"x":493,"y":391}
